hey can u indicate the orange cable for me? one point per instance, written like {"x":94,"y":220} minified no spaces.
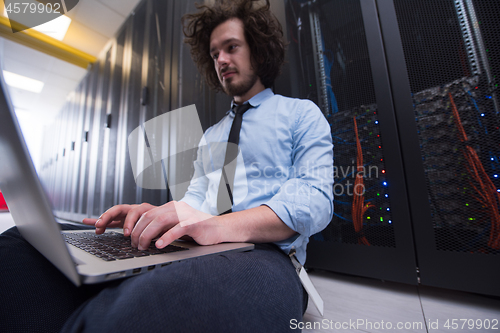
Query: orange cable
{"x":486,"y":190}
{"x":358,"y":206}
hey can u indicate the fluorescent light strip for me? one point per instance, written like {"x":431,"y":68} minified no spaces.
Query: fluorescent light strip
{"x":23,"y":82}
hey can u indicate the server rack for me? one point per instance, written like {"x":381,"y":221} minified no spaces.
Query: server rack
{"x":370,"y":233}
{"x":434,"y":92}
{"x":445,"y":97}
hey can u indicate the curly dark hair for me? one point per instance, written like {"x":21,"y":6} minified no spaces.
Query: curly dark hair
{"x":263,"y":34}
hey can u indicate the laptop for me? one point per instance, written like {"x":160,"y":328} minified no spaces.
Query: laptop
{"x":75,"y":252}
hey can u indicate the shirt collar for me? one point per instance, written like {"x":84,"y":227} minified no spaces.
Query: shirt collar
{"x":256,"y":100}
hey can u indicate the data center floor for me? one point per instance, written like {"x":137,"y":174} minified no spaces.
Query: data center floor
{"x":357,"y":304}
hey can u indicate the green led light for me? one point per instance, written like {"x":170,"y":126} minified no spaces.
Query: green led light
{"x":472,"y":218}
{"x":378,"y":194}
{"x":467,"y":205}
{"x":368,"y":218}
{"x":381,"y":219}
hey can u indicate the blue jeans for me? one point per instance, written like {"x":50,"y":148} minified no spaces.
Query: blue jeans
{"x":256,"y":291}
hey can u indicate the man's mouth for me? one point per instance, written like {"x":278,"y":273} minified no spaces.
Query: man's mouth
{"x":228,"y":74}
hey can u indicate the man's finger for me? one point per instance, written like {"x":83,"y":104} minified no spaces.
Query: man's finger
{"x":116,"y":213}
{"x":160,"y":224}
{"x":89,"y":221}
{"x":171,"y":235}
{"x":134,"y":216}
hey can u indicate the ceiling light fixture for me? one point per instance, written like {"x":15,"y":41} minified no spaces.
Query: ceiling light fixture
{"x":23,"y":82}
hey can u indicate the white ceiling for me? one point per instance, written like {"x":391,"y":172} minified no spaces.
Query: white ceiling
{"x":94,"y":22}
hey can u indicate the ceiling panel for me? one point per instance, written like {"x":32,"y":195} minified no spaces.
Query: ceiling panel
{"x":98,"y":17}
{"x":26,"y":55}
{"x":85,"y":39}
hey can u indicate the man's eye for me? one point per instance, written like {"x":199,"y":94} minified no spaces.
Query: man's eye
{"x":215,"y":56}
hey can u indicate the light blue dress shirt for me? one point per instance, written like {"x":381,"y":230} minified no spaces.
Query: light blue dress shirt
{"x":285,"y":162}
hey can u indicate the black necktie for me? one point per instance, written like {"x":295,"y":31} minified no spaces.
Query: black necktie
{"x":225,"y":194}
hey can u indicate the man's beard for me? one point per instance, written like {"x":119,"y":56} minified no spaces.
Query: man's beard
{"x":241,"y":88}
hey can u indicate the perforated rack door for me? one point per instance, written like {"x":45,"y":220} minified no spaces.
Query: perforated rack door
{"x":339,"y":63}
{"x":444,"y":60}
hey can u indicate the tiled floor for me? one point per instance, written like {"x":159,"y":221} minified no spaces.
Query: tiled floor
{"x":357,"y":304}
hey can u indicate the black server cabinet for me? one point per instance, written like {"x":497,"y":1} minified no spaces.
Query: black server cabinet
{"x":63,"y":158}
{"x":444,"y":62}
{"x":339,"y":63}
{"x":86,"y":178}
{"x":112,"y":119}
{"x":86,"y":86}
{"x":409,"y":87}
{"x":97,"y":142}
{"x":134,"y":79}
{"x":76,"y":146}
{"x":155,"y":93}
{"x":70,"y":155}
{"x":118,"y":113}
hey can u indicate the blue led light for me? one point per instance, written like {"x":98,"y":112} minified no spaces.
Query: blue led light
{"x":496,"y":176}
{"x":482,"y":114}
{"x":388,"y":209}
{"x":376,"y":121}
{"x":387,"y":195}
{"x":384,"y":183}
{"x":390,"y":221}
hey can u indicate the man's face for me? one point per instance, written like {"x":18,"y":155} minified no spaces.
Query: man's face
{"x":232,"y":60}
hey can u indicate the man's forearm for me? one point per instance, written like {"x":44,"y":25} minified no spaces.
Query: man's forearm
{"x":258,"y":225}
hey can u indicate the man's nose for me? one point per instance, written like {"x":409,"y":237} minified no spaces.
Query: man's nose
{"x":223,"y":59}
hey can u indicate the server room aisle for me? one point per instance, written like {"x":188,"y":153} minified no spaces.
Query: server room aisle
{"x":357,"y":304}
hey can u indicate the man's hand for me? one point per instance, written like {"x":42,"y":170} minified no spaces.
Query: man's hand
{"x":170,"y":221}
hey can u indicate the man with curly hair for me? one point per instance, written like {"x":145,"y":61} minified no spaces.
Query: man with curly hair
{"x":281,"y":197}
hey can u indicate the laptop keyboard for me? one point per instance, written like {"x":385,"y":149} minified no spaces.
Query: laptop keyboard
{"x":112,"y":246}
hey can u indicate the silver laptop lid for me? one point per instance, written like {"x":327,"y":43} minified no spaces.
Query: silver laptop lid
{"x":27,"y":201}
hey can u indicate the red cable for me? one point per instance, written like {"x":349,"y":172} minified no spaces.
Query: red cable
{"x":358,"y":206}
{"x":488,"y":195}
